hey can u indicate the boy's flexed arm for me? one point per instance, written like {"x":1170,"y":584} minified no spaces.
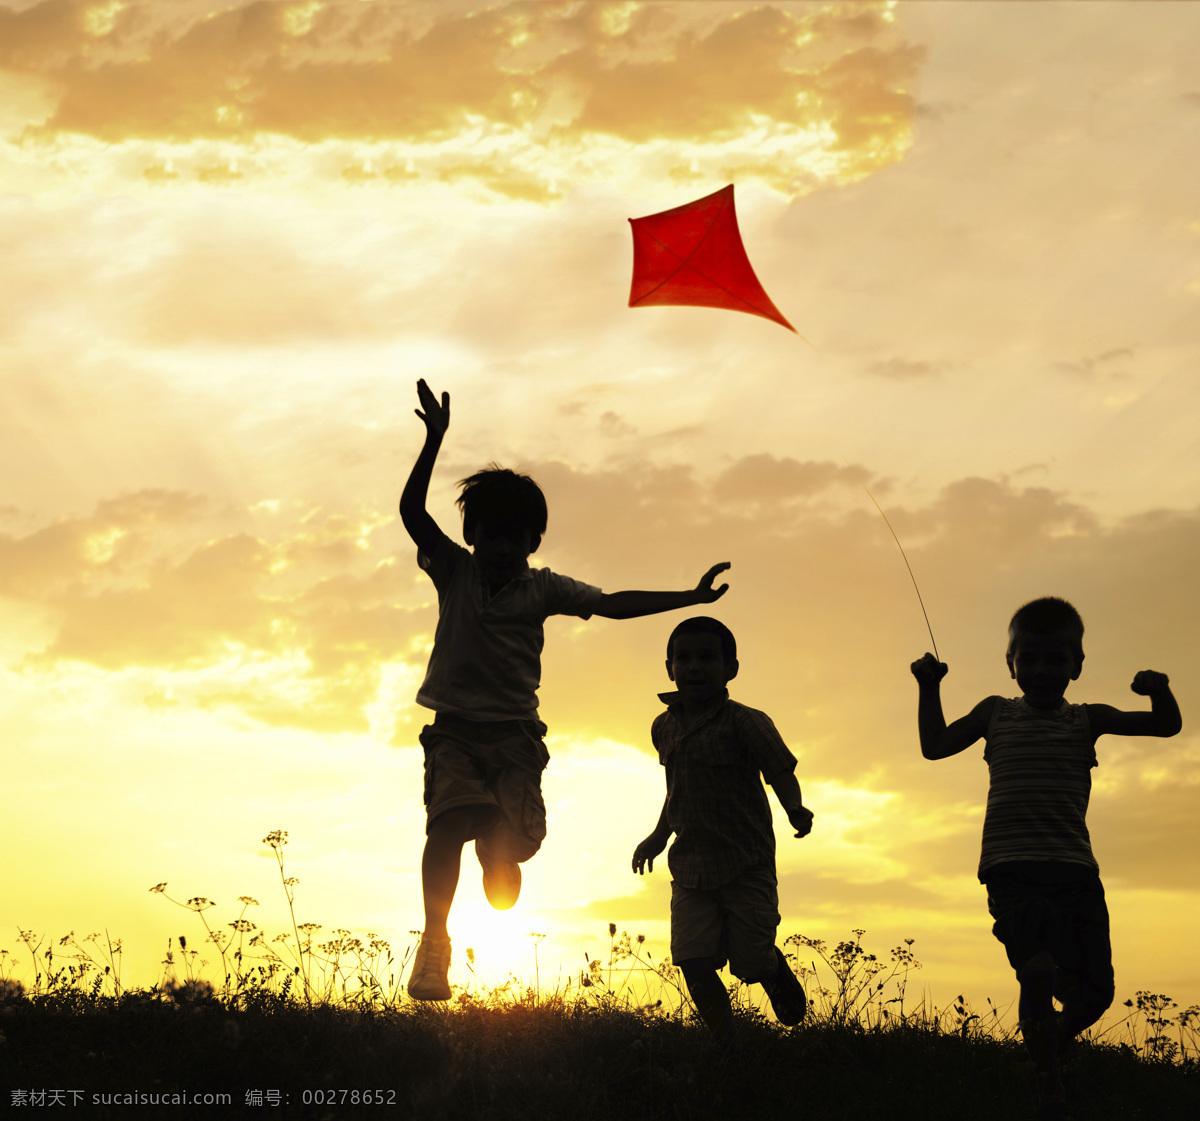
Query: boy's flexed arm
{"x":644,"y":854}
{"x":421,"y":527}
{"x":787,"y":790}
{"x":631,"y":605}
{"x":939,"y":741}
{"x":1163,"y":719}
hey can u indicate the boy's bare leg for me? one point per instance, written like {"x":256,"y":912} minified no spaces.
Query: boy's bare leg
{"x":709,"y":997}
{"x":442,"y":861}
{"x":1041,"y":1030}
{"x":1036,"y":978}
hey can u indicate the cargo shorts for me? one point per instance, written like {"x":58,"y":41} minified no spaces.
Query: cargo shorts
{"x":1058,"y":907}
{"x":489,"y":763}
{"x":735,"y":922}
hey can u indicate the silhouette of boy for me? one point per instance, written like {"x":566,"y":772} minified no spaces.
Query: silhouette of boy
{"x":724,"y":902}
{"x":484,"y":751}
{"x":1043,"y":882}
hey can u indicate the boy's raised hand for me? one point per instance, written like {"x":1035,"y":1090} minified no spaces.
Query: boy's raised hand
{"x":928,"y":670}
{"x":1149,"y":681}
{"x":705,"y":592}
{"x":644,"y":854}
{"x":436,"y":416}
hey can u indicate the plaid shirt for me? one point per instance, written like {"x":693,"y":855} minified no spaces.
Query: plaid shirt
{"x":716,"y":804}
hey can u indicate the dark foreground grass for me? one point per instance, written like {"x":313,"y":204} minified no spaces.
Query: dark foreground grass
{"x":537,"y":1059}
{"x":295,"y":1027}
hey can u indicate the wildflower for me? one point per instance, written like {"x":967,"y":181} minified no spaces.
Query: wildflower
{"x":199,"y":903}
{"x":183,"y":942}
{"x":158,"y":889}
{"x":277,"y":838}
{"x":641,"y":938}
{"x":248,"y":900}
{"x":243,"y":926}
{"x":612,"y":930}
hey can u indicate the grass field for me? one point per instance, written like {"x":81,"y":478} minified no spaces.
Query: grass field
{"x":297,"y":1027}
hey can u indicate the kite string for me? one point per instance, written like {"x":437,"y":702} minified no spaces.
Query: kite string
{"x":906,"y":565}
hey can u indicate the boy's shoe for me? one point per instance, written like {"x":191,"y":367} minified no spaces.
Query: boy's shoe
{"x":786,"y":993}
{"x":1042,"y":1041}
{"x":1051,"y":1096}
{"x":430,"y":978}
{"x":501,"y":882}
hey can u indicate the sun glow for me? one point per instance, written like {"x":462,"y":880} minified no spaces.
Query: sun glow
{"x":502,"y":943}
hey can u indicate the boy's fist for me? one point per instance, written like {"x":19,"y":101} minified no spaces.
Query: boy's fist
{"x":801,"y":819}
{"x":1149,"y":681}
{"x":436,"y":416}
{"x":928,"y":670}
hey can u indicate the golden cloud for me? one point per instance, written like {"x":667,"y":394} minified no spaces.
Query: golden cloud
{"x":133,"y":588}
{"x":824,"y":92}
{"x":299,"y":619}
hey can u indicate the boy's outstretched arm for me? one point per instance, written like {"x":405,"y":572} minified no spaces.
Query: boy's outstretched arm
{"x":787,"y":790}
{"x":939,"y":741}
{"x":421,"y":527}
{"x":1163,"y":719}
{"x":644,"y":854}
{"x":631,"y":605}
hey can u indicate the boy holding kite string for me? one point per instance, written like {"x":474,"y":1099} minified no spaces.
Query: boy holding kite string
{"x":484,"y":751}
{"x":1043,"y":883}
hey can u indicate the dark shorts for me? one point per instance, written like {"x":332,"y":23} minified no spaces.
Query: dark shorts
{"x":497,"y":763}
{"x":735,"y":922}
{"x":1060,"y":908}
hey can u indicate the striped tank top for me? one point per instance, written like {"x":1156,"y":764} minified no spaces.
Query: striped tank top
{"x":1040,"y":763}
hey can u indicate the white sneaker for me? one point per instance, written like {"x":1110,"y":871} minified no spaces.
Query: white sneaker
{"x":430,"y":978}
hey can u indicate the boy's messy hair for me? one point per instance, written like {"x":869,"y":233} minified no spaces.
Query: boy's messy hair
{"x":703,"y":624}
{"x":1048,"y":615}
{"x":497,"y":495}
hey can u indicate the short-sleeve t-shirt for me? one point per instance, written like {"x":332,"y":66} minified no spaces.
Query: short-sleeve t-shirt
{"x":1040,"y":763}
{"x":716,"y":804}
{"x":486,"y":662}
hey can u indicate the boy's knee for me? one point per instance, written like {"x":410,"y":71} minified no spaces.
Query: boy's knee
{"x":461,"y":824}
{"x":1038,"y":969}
{"x":697,"y":969}
{"x":500,"y":842}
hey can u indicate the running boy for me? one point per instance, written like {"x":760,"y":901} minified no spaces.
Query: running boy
{"x":724,"y":901}
{"x":484,"y":751}
{"x":1043,"y":882}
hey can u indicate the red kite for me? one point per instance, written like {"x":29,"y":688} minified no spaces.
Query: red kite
{"x":693,"y":255}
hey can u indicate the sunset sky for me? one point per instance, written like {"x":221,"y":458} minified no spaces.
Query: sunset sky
{"x":233,"y":237}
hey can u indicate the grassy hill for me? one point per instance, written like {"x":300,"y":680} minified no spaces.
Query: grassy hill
{"x":535,"y":1058}
{"x":299,"y":1028}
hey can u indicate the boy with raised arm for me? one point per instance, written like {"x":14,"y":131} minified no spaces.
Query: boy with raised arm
{"x":1043,"y":883}
{"x":724,"y":899}
{"x":484,"y":751}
